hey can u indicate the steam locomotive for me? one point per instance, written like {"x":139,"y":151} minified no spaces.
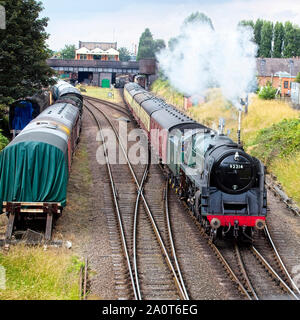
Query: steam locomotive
{"x":223,"y":186}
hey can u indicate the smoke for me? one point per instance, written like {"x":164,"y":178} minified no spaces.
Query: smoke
{"x":203,"y":58}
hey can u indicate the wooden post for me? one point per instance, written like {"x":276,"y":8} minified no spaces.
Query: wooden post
{"x":10,"y":225}
{"x":49,"y":225}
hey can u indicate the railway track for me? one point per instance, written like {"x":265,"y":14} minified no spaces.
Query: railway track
{"x":173,"y":284}
{"x":237,"y":260}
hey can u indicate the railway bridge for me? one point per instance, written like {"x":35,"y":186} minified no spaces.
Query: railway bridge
{"x":95,"y":72}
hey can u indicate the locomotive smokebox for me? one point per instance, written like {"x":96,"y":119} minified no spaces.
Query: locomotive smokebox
{"x":147,"y":66}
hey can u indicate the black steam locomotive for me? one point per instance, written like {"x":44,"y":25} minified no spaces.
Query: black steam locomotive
{"x":220,"y":182}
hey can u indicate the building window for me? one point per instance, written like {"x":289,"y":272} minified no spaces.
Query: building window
{"x":286,"y":84}
{"x":83,"y":57}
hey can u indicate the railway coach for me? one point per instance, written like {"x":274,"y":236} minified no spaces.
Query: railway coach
{"x":35,"y":166}
{"x":65,"y":92}
{"x":223,"y":185}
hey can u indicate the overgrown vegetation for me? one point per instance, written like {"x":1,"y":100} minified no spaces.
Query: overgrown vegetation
{"x":280,"y":140}
{"x":3,"y":141}
{"x":35,"y":274}
{"x":267,"y":92}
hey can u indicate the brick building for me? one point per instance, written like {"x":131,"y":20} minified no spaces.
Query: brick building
{"x":280,"y":72}
{"x":104,"y":51}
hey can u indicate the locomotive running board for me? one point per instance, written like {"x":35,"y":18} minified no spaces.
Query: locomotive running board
{"x":16,"y":208}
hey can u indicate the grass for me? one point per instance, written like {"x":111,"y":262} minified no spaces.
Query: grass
{"x":287,"y":171}
{"x":35,"y":274}
{"x":257,"y":130}
{"x":102,"y":93}
{"x":164,"y":90}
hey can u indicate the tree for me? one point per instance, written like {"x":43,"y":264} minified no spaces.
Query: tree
{"x":297,"y":41}
{"x":246,"y":23}
{"x":266,"y":39}
{"x":159,"y":44}
{"x":267,"y":92}
{"x":148,"y":47}
{"x":278,"y":40}
{"x":124,"y":54}
{"x":297,"y":79}
{"x":23,"y":51}
{"x":68,"y":52}
{"x":257,"y":34}
{"x":197,"y":17}
{"x":290,"y":46}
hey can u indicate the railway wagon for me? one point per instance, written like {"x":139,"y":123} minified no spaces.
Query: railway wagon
{"x":63,"y":91}
{"x":23,"y":110}
{"x":223,"y":185}
{"x":34,"y":168}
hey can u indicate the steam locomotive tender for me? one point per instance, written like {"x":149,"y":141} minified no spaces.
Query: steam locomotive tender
{"x":222,"y":185}
{"x":35,"y":166}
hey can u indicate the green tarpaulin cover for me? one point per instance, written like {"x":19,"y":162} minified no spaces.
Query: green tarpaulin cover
{"x":33,"y":172}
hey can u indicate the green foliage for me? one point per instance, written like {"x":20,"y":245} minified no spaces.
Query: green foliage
{"x":148,"y":47}
{"x":278,"y":40}
{"x":76,"y":265}
{"x":281,"y":139}
{"x":268,"y":92}
{"x":68,"y":52}
{"x":245,"y":23}
{"x":286,"y":38}
{"x":198,"y":17}
{"x":3,"y":141}
{"x":23,"y":51}
{"x":35,"y":274}
{"x":266,"y":39}
{"x":297,"y":79}
{"x":159,"y":44}
{"x":124,"y":54}
{"x":257,"y":33}
{"x":289,"y":46}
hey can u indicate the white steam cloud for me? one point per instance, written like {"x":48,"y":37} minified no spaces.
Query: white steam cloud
{"x":203,"y":58}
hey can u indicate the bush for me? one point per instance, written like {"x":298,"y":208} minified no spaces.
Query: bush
{"x":267,"y":92}
{"x":281,"y":139}
{"x":3,"y":141}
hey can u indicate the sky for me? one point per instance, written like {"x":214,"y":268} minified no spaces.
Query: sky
{"x":124,"y":21}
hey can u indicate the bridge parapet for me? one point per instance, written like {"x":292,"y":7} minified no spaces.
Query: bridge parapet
{"x":131,"y":67}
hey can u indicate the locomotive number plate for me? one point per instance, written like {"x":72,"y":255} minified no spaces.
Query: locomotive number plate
{"x":236,"y":166}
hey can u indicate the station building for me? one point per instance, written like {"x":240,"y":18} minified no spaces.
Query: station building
{"x":104,"y":51}
{"x":98,"y":64}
